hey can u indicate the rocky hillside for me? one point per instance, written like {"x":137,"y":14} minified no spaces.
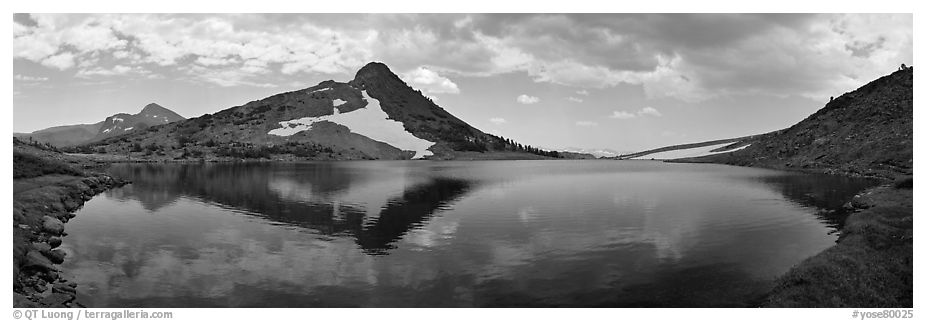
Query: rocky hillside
{"x":374,"y":116}
{"x":866,"y":132}
{"x":151,"y":115}
{"x":115,"y":125}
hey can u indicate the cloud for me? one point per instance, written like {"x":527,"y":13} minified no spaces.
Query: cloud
{"x":498,"y":121}
{"x":430,"y":81}
{"x":649,"y":111}
{"x":574,"y":99}
{"x":586,"y":123}
{"x":115,"y":70}
{"x":582,"y":92}
{"x":689,"y":57}
{"x":645,"y":111}
{"x":18,"y":77}
{"x":618,"y":114}
{"x":527,"y":100}
{"x":62,"y":61}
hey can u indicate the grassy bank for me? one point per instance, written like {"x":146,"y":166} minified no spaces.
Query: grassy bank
{"x":870,"y":266}
{"x":47,"y":188}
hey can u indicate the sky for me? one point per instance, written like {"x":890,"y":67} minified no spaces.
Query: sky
{"x":625,"y":82}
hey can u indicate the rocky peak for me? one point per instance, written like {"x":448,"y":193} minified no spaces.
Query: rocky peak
{"x":377,"y":75}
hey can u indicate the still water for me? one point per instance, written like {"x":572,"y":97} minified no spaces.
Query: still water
{"x":448,"y":234}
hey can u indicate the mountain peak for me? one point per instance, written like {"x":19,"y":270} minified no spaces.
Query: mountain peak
{"x":374,"y":73}
{"x":153,"y":107}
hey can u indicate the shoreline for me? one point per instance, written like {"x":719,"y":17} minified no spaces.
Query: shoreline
{"x":43,"y":201}
{"x":871,"y":264}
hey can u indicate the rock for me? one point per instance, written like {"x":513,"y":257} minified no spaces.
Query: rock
{"x":52,"y":225}
{"x":36,"y":260}
{"x":21,"y":301}
{"x":54,"y":242}
{"x":848,"y":206}
{"x":56,"y":256}
{"x":41,"y":247}
{"x":50,"y":276}
{"x":57,"y":299}
{"x":63,"y":288}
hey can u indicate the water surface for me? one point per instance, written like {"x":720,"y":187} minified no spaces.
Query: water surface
{"x":448,"y":234}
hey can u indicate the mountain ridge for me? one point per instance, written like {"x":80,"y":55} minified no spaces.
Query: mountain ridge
{"x":376,"y":115}
{"x":864,"y":132}
{"x":72,"y":135}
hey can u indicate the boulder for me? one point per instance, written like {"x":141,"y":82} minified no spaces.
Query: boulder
{"x":54,"y":242}
{"x":35,"y":260}
{"x":41,"y":247}
{"x":52,"y":225}
{"x":56,"y":256}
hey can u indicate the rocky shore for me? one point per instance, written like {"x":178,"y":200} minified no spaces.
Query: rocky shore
{"x":46,"y":192}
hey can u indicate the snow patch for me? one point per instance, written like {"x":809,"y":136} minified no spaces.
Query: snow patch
{"x":317,"y":90}
{"x":107,"y":130}
{"x":128,"y":129}
{"x":370,"y":121}
{"x":115,"y":119}
{"x":338,"y":102}
{"x":692,"y":152}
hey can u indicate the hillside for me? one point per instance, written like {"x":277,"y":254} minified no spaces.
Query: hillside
{"x":115,"y":125}
{"x":62,"y":136}
{"x":702,"y":148}
{"x":866,"y":132}
{"x":374,"y":116}
{"x":119,"y":124}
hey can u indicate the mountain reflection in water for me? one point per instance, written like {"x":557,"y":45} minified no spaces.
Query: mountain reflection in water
{"x":447,"y":234}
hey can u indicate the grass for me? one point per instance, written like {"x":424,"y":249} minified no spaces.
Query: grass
{"x":27,"y":166}
{"x":870,"y":266}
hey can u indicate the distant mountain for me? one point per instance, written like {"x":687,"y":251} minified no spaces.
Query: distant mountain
{"x":151,"y":115}
{"x":597,"y":152}
{"x":62,"y":136}
{"x":867,"y":132}
{"x":693,"y":149}
{"x":115,"y":125}
{"x":374,"y":116}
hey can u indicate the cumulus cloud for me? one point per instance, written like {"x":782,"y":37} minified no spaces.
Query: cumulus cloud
{"x":691,"y":57}
{"x":527,"y":100}
{"x":619,"y":114}
{"x":645,"y":111}
{"x":649,"y":111}
{"x":582,"y":92}
{"x":115,"y":70}
{"x":430,"y":81}
{"x":498,"y":120}
{"x":62,"y":61}
{"x":574,"y":99}
{"x":586,"y":123}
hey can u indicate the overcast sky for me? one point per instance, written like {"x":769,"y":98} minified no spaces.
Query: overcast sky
{"x":620,"y":81}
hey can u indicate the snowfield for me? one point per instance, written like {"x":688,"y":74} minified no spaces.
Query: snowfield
{"x":338,"y":102}
{"x":370,"y":121}
{"x":691,"y":152}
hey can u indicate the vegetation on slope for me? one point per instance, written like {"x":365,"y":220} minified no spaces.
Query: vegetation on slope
{"x":866,"y":132}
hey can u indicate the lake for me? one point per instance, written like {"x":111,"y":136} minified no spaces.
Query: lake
{"x":448,"y":234}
